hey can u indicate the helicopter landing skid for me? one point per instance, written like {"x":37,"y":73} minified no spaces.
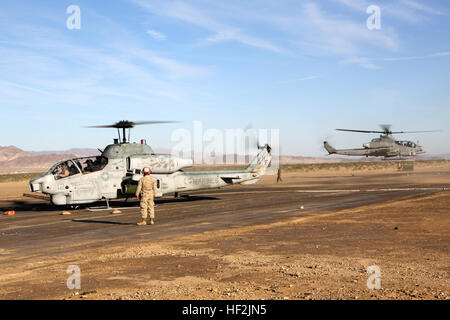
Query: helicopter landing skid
{"x":101,"y":208}
{"x":107,"y":207}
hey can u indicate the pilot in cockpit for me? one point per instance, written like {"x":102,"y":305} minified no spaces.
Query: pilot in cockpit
{"x":73,"y":169}
{"x":62,"y":171}
{"x":89,"y":166}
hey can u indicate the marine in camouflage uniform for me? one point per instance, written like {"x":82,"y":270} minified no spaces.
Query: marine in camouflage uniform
{"x":279,"y":175}
{"x":146,"y":192}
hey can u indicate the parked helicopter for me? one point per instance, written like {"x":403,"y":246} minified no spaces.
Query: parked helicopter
{"x":384,"y":146}
{"x":115,"y":173}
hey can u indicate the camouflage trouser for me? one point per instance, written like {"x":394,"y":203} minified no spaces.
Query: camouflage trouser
{"x":147,"y":206}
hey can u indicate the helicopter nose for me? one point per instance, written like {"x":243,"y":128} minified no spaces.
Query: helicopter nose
{"x":366,"y":145}
{"x":36,"y":185}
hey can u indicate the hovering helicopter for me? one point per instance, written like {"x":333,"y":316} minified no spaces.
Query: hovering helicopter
{"x":384,"y":146}
{"x":116,"y":172}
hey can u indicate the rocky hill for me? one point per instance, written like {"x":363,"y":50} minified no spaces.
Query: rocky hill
{"x":10,"y":153}
{"x":15,"y":160}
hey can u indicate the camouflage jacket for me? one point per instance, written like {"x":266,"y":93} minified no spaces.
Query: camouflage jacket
{"x":147,"y":185}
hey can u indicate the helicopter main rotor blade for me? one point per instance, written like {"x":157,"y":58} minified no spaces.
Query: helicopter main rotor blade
{"x":124,"y":124}
{"x":387,"y":131}
{"x":417,"y":131}
{"x":107,"y":126}
{"x":362,"y":131}
{"x":138,"y":123}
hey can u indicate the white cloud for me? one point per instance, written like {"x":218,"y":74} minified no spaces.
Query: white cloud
{"x":421,"y":7}
{"x":221,"y":31}
{"x":428,"y":56}
{"x":20,"y":86}
{"x":402,"y":58}
{"x":302,"y":79}
{"x":359,"y":5}
{"x":312,"y":29}
{"x":156,"y":35}
{"x":174,"y":68}
{"x":441,"y":54}
{"x":330,"y":35}
{"x":53,"y":70}
{"x":362,"y":61}
{"x":345,"y":36}
{"x":369,"y":63}
{"x":405,"y":10}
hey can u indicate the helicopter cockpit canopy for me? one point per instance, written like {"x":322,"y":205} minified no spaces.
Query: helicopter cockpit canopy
{"x":84,"y":165}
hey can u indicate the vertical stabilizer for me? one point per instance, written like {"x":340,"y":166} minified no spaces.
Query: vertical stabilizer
{"x":329,"y":148}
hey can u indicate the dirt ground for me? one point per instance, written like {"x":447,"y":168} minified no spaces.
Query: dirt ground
{"x":313,"y":236}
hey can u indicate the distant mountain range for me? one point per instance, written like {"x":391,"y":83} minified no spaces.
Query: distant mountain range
{"x":82,"y":151}
{"x":15,"y":160}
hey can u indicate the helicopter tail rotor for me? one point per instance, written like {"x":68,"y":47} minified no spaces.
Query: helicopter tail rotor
{"x":252,"y":134}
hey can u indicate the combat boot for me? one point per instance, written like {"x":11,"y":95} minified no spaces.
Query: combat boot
{"x":142,"y":223}
{"x":152,"y":221}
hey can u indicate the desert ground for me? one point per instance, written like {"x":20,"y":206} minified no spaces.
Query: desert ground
{"x":312,"y":236}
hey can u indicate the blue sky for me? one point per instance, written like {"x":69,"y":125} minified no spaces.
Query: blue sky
{"x":304,"y":67}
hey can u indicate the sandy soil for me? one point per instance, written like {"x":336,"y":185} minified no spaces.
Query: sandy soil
{"x":291,"y":253}
{"x":13,"y":190}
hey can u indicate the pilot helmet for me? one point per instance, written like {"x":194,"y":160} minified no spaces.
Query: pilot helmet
{"x":146,"y":170}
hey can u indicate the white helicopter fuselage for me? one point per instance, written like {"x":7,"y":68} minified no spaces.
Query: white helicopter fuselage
{"x":116,"y":172}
